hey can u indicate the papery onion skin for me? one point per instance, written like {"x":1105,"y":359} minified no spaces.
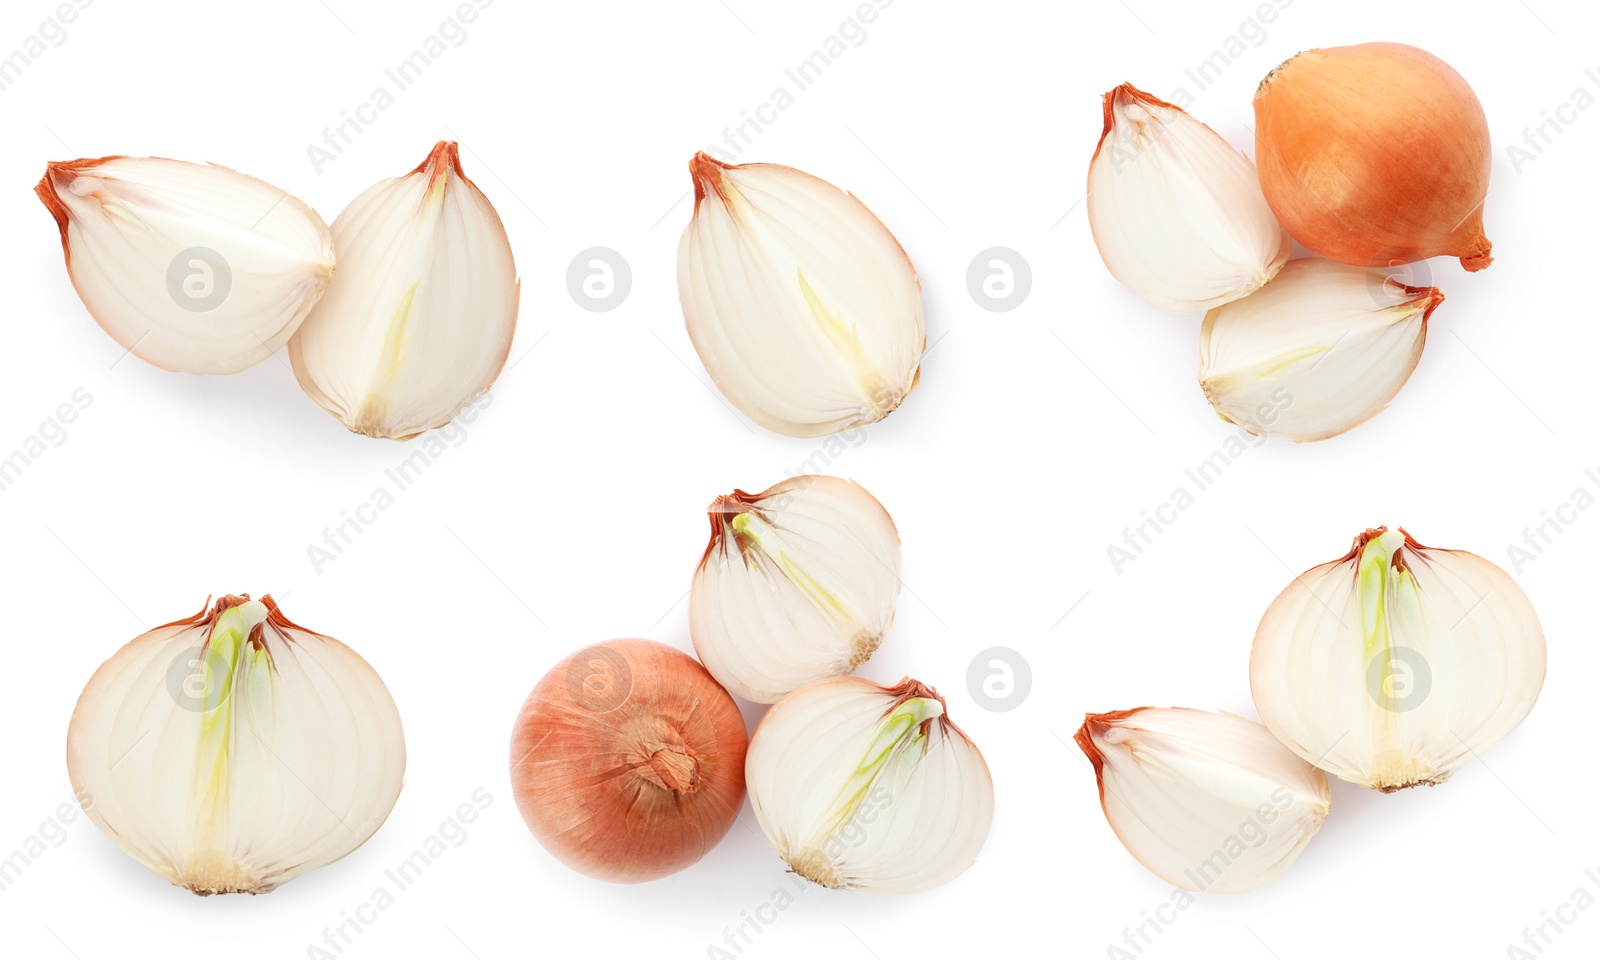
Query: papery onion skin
{"x":277,"y":250}
{"x":871,"y":788}
{"x":1375,"y":155}
{"x":804,"y":308}
{"x":1249,"y":806}
{"x":296,"y":752}
{"x":769,"y":617}
{"x":418,"y":321}
{"x":1176,"y":212}
{"x":627,"y":761}
{"x":1393,"y":666}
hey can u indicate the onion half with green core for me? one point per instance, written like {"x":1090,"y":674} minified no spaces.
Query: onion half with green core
{"x":863,"y":787}
{"x":232,"y":751}
{"x":1396,"y":664}
{"x":797,"y":584}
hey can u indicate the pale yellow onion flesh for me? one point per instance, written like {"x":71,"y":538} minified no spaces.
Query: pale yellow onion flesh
{"x":190,"y":267}
{"x":232,"y":751}
{"x":1322,"y":348}
{"x":419,"y":318}
{"x":871,"y":788}
{"x":1396,"y":664}
{"x":797,"y":584}
{"x":1209,"y":802}
{"x":1177,"y":214}
{"x":803,"y":307}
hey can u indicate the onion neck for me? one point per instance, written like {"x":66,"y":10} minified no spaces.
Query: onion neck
{"x":674,"y":768}
{"x":1476,"y":252}
{"x":661,"y":757}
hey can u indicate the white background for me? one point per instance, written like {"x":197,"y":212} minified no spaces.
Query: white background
{"x":573,"y":510}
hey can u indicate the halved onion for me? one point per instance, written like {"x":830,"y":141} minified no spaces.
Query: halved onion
{"x":233,"y":750}
{"x":1396,"y":664}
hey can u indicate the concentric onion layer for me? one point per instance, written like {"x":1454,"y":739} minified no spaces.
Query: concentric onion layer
{"x":191,"y":267}
{"x":864,"y":787}
{"x":419,"y":318}
{"x":1209,"y":802}
{"x":233,"y":751}
{"x":1397,"y":663}
{"x":1176,"y":212}
{"x":802,"y":305}
{"x":627,"y":761}
{"x":797,"y":584}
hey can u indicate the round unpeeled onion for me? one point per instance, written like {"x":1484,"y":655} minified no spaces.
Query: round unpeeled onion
{"x":627,"y":761}
{"x":1375,"y":155}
